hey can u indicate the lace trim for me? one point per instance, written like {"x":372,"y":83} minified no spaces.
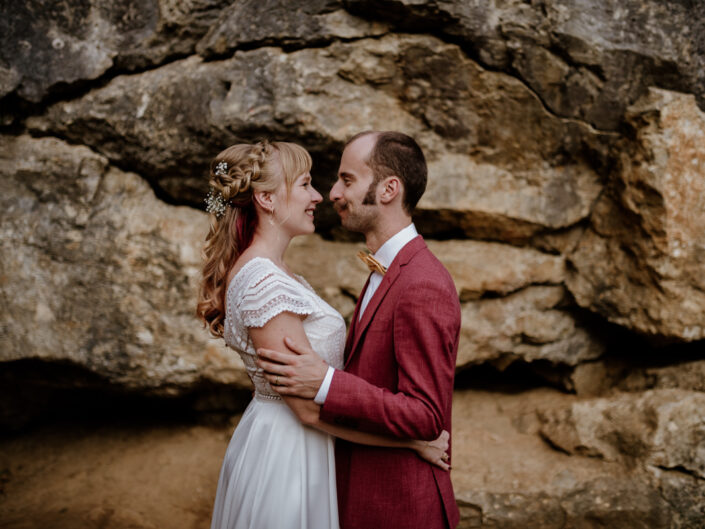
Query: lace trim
{"x":257,"y":278}
{"x":267,"y":268}
{"x":305,"y":283}
{"x":259,"y":395}
{"x":281,"y":303}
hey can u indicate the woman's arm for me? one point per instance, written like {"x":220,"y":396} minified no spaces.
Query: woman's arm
{"x":271,"y":336}
{"x":435,"y":452}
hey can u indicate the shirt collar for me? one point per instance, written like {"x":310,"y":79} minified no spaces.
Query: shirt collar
{"x":389,"y":250}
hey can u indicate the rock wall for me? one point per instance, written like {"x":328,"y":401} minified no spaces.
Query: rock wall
{"x":565,"y":196}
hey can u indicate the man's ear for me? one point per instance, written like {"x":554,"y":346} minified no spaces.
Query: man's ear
{"x":389,"y":189}
{"x":265,"y":200}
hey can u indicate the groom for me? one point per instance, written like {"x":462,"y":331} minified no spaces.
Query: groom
{"x":400,"y":351}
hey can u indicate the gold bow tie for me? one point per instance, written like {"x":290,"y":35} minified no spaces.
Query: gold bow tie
{"x":373,"y":264}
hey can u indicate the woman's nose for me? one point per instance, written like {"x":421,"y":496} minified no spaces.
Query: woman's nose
{"x":316,"y":197}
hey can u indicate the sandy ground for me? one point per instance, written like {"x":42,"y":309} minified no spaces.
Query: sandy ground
{"x":118,"y":476}
{"x":128,"y":474}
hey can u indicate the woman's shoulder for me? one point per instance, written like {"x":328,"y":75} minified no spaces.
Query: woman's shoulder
{"x":261,"y":290}
{"x":258,"y":271}
{"x":251,"y":264}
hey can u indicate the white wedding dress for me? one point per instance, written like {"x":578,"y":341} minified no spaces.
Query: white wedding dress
{"x":277,"y":473}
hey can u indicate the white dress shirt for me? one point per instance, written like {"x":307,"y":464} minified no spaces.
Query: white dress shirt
{"x":385,"y":255}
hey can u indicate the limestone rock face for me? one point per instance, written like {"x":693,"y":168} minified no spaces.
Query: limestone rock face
{"x":134,"y":120}
{"x":48,"y":49}
{"x":657,"y":372}
{"x":527,"y":325}
{"x":608,"y":53}
{"x":505,"y":475}
{"x":684,"y":375}
{"x":663,"y":428}
{"x":45,"y":48}
{"x":485,"y":268}
{"x":99,"y":273}
{"x":585,"y":60}
{"x":313,"y":95}
{"x":640,"y":263}
{"x":277,"y":22}
{"x":631,"y":504}
{"x":515,"y":307}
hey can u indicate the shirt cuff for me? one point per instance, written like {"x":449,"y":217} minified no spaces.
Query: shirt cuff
{"x":320,"y":397}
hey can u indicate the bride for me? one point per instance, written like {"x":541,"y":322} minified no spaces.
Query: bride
{"x":279,"y":468}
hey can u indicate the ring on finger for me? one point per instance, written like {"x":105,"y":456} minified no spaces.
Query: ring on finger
{"x":444,"y":457}
{"x":276,"y":380}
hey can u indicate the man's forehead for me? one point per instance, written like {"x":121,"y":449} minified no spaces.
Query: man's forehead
{"x":362,"y":145}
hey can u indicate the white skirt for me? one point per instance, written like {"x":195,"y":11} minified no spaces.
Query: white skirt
{"x":276,"y":473}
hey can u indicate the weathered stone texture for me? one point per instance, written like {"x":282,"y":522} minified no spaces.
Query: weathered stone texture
{"x":505,"y":476}
{"x":315,"y":95}
{"x":99,"y":273}
{"x":640,"y":263}
{"x":278,"y":22}
{"x":683,"y":375}
{"x":527,"y":325}
{"x":486,"y":268}
{"x":45,"y":47}
{"x":585,"y":60}
{"x":663,"y":428}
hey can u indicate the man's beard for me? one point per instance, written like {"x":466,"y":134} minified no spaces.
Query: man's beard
{"x":370,"y":198}
{"x":362,"y":220}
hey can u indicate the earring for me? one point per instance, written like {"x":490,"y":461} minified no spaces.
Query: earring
{"x":271,"y":217}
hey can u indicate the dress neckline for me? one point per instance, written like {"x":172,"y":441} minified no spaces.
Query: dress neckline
{"x":300,"y":280}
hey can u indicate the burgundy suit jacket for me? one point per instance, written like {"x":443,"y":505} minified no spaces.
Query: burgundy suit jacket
{"x":398,"y":381}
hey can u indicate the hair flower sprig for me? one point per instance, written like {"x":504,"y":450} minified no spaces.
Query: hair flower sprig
{"x":221,"y":169}
{"x":215,"y":203}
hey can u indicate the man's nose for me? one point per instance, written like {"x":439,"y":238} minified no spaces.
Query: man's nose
{"x":335,"y":192}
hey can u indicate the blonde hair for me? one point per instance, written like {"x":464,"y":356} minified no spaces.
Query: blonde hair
{"x":263,"y":166}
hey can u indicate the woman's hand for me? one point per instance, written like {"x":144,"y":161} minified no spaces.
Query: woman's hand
{"x":435,"y":452}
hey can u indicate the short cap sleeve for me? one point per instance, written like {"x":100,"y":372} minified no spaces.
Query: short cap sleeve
{"x":269,"y":293}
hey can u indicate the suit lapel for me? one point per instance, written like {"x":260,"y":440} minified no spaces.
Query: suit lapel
{"x":353,"y":322}
{"x":358,"y":328}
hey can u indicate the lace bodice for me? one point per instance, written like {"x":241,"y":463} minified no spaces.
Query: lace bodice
{"x":261,"y":290}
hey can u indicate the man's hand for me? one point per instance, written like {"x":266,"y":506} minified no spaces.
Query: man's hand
{"x":299,"y":373}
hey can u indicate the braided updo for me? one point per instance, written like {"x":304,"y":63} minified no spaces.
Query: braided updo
{"x":244,"y":166}
{"x":237,"y":173}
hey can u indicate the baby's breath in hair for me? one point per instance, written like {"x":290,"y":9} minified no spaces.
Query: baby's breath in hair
{"x":221,"y":169}
{"x":215,"y":203}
